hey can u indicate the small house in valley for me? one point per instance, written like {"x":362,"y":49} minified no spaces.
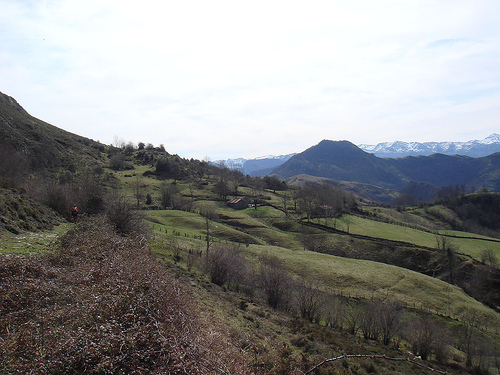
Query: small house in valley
{"x":238,"y":203}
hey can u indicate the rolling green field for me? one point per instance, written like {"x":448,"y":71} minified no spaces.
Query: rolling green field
{"x":252,"y":226}
{"x":348,"y":277}
{"x":366,"y":279}
{"x":474,"y":245}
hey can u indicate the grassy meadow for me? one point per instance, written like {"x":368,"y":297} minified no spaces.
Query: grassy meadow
{"x":463,"y":242}
{"x":354,"y":278}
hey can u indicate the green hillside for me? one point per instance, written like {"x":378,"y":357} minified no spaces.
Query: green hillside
{"x":357,"y":278}
{"x":466,"y":243}
{"x":303,"y":272}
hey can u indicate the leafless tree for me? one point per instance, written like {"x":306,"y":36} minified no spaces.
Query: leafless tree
{"x":209,"y":215}
{"x":353,"y":317}
{"x":469,"y":336}
{"x":138,"y":190}
{"x":274,"y":281}
{"x":369,"y":324}
{"x":225,"y":265}
{"x":347,"y":220}
{"x":423,"y":334}
{"x":446,"y":245}
{"x":168,"y":194}
{"x":285,"y":199}
{"x":389,"y":320}
{"x":309,"y":299}
{"x":335,"y":311}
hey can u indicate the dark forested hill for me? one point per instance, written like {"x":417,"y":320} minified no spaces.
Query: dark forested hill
{"x":40,"y":144}
{"x":342,"y":160}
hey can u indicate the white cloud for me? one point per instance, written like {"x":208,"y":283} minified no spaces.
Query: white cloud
{"x":227,"y":79}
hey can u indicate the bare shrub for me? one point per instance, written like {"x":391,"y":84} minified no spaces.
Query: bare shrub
{"x":314,"y":242}
{"x":225,"y":265}
{"x":274,"y":281}
{"x":309,"y":301}
{"x":488,"y":256}
{"x":425,"y":335}
{"x":52,"y":194}
{"x":103,"y":305}
{"x":90,"y":193}
{"x":192,"y":259}
{"x":13,"y":167}
{"x":117,"y":162}
{"x":124,"y":215}
{"x":85,"y":191}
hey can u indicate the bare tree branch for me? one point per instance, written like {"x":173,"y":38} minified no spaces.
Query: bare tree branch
{"x":381,"y":356}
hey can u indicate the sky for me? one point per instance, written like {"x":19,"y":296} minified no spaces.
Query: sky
{"x":227,"y":79}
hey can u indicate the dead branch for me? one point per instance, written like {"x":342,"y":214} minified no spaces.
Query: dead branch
{"x":381,"y":356}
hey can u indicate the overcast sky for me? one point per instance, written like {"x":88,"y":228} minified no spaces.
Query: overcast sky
{"x":228,"y":79}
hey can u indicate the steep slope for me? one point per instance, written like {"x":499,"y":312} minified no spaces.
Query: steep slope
{"x":44,"y":145}
{"x":19,"y":212}
{"x":342,"y":160}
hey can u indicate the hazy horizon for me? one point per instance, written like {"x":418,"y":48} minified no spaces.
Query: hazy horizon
{"x":225,"y":80}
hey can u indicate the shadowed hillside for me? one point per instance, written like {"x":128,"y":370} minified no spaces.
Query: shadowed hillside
{"x":42,"y":144}
{"x":342,"y":160}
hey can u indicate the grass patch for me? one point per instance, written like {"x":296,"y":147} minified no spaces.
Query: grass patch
{"x":367,"y":279}
{"x":471,"y":246}
{"x":32,"y":243}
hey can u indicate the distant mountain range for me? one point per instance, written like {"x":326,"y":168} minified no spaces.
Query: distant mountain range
{"x":399,"y":149}
{"x":344,"y":161}
{"x":262,"y":166}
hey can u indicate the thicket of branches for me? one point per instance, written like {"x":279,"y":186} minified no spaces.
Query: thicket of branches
{"x":103,"y":304}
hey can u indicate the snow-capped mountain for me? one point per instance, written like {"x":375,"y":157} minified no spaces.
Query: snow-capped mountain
{"x":265,"y":164}
{"x":259,"y":166}
{"x":399,"y":149}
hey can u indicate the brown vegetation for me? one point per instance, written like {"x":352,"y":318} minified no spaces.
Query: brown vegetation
{"x":103,"y":304}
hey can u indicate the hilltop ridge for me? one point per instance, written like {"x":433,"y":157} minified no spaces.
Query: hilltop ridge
{"x":42,"y":144}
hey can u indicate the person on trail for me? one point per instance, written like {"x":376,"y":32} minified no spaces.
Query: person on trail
{"x":74,"y":213}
